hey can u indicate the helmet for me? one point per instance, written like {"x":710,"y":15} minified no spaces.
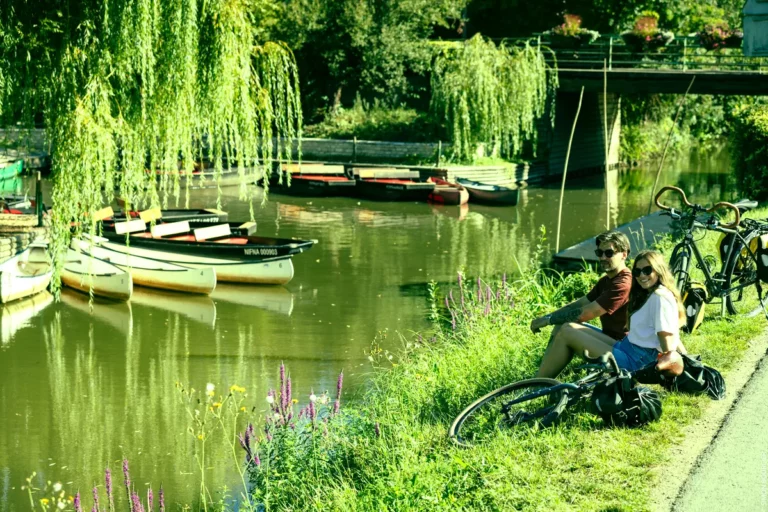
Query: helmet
{"x":670,"y":364}
{"x":642,"y":405}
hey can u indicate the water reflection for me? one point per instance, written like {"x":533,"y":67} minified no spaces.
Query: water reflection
{"x":19,"y":314}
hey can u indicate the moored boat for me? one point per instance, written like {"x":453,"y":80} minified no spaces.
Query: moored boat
{"x":25,"y":274}
{"x":84,"y":273}
{"x":490,"y":194}
{"x":153,"y":273}
{"x":391,"y":185}
{"x":200,"y":216}
{"x":312,"y":180}
{"x":447,"y":193}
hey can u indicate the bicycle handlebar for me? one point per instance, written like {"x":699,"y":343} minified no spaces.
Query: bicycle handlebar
{"x":721,"y":204}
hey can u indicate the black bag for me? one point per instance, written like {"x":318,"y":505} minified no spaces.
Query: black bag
{"x":619,"y":402}
{"x":694,"y":300}
{"x":697,"y":378}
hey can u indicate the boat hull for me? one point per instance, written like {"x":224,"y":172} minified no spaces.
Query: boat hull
{"x":84,"y":273}
{"x":393,"y":190}
{"x":24,"y":275}
{"x":447,"y":193}
{"x":193,"y":217}
{"x":316,"y":186}
{"x":493,"y":195}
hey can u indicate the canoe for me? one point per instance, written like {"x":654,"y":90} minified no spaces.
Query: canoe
{"x":271,"y":298}
{"x":21,"y":313}
{"x":447,"y":193}
{"x":490,"y":194}
{"x":193,"y":216}
{"x":153,"y":273}
{"x":393,"y":189}
{"x":25,"y":274}
{"x":199,"y":308}
{"x":315,"y":186}
{"x":82,"y":272}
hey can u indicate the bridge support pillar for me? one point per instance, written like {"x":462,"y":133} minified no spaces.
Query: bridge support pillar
{"x":588,"y":148}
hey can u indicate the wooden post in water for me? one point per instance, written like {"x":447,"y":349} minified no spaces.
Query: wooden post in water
{"x":605,"y":135}
{"x":666,"y":144}
{"x":439,"y":152}
{"x":39,"y":200}
{"x":565,"y":170}
{"x":354,"y":148}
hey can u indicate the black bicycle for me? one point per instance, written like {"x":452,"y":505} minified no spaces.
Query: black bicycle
{"x":535,"y":402}
{"x":734,"y":281}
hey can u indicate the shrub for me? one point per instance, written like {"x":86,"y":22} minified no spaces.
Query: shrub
{"x":749,"y":146}
{"x":646,"y":36}
{"x":570,"y":34}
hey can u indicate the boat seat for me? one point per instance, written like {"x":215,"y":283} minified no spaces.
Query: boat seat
{"x":384,"y":173}
{"x":151,"y":214}
{"x":104,"y":213}
{"x":131,"y":226}
{"x":172,"y":228}
{"x":745,"y":204}
{"x":247,"y":228}
{"x":211,"y":232}
{"x":313,"y":169}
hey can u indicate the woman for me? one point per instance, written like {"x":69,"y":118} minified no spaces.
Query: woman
{"x":655,"y":313}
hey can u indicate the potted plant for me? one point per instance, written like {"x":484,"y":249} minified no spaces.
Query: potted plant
{"x":646,"y":36}
{"x":570,"y":34}
{"x":717,"y":34}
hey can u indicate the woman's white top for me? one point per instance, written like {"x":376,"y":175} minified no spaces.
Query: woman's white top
{"x":658,"y":314}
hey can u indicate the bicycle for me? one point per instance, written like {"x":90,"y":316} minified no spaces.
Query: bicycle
{"x":738,"y":270}
{"x":538,"y":401}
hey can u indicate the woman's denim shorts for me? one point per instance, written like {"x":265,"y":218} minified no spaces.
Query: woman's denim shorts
{"x":633,"y":357}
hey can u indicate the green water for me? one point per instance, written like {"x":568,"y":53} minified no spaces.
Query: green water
{"x":80,"y":390}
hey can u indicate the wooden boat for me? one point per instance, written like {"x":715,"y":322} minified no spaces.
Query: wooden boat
{"x":312,"y":180}
{"x":153,"y":273}
{"x":199,"y":308}
{"x":447,"y":193}
{"x":271,"y":298}
{"x":25,"y":274}
{"x":85,"y":273}
{"x":391,"y":185}
{"x":490,"y":194}
{"x":21,"y":313}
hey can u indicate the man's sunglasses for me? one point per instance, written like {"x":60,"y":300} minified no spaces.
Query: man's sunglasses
{"x":608,"y":253}
{"x":637,"y":272}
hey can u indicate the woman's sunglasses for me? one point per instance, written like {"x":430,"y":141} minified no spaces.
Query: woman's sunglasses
{"x":608,"y":253}
{"x":644,"y":271}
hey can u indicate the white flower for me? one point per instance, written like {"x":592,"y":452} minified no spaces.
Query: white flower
{"x":370,"y":358}
{"x":209,"y":388}
{"x":61,"y":505}
{"x":324,"y":399}
{"x":270,"y":399}
{"x":312,"y":397}
{"x":57,"y":487}
{"x":277,"y":416}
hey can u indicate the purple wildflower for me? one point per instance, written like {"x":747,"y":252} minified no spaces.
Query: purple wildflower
{"x":312,"y":411}
{"x":242,"y":441}
{"x":127,"y":476}
{"x":450,"y":295}
{"x":136,"y":505}
{"x":256,"y":459}
{"x":150,"y":499}
{"x":95,"y":500}
{"x":340,"y":381}
{"x":249,"y":431}
{"x":377,"y":428}
{"x":77,"y":505}
{"x":289,"y":392}
{"x":283,"y":390}
{"x":108,"y":482}
{"x":336,"y":406}
{"x":453,"y":321}
{"x":162,"y":500}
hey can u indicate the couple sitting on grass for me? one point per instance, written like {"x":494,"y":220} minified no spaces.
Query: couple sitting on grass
{"x":640,"y":311}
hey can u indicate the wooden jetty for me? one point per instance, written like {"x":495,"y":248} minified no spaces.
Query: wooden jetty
{"x":642,"y":233}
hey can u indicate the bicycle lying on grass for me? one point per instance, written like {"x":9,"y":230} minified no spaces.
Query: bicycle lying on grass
{"x":531,"y":402}
{"x":736,"y":283}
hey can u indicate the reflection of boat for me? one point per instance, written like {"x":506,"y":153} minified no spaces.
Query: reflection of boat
{"x":25,"y":274}
{"x":490,"y":194}
{"x":271,"y":298}
{"x":116,"y":314}
{"x":199,"y":308}
{"x":447,"y":193}
{"x":20,"y":313}
{"x":82,"y":272}
{"x":154,"y":273}
{"x":458,"y":213}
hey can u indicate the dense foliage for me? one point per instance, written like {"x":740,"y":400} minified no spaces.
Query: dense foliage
{"x":490,"y":94}
{"x":128,"y":85}
{"x":750,"y":150}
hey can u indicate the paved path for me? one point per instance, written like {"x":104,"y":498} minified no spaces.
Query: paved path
{"x":732,"y":474}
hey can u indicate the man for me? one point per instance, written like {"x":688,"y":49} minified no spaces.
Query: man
{"x":607,"y":300}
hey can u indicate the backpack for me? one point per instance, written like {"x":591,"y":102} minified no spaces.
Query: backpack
{"x":696,"y":379}
{"x":726,"y":239}
{"x":694,"y":300}
{"x":620,"y":403}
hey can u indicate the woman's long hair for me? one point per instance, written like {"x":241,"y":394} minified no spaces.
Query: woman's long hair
{"x":638,"y":295}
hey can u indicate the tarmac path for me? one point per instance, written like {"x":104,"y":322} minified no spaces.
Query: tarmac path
{"x":732,"y":473}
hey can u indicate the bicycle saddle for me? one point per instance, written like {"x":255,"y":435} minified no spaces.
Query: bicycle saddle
{"x":745,"y":204}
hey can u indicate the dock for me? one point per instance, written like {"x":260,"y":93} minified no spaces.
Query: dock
{"x":642,"y":234}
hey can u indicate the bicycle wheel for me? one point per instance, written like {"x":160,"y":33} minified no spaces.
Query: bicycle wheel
{"x":680,"y":264}
{"x":740,"y":278}
{"x":490,"y":412}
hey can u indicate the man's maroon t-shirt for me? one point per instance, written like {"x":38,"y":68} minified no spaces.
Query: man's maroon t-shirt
{"x":613,"y":297}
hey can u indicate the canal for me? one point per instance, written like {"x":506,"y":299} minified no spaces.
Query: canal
{"x":80,"y":389}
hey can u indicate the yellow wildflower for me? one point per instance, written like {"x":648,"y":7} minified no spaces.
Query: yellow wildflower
{"x":295,"y":400}
{"x":217,"y":404}
{"x":200,"y":436}
{"x":45,"y":501}
{"x":242,"y":409}
{"x":237,"y":388}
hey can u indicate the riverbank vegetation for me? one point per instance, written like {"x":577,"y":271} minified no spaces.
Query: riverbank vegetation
{"x":389,"y":450}
{"x":750,"y":149}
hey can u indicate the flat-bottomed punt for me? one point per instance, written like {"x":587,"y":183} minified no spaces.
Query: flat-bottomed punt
{"x":312,"y":180}
{"x":391,"y":185}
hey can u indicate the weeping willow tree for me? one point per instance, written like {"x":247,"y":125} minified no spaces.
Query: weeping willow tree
{"x":491,"y":94}
{"x":136,"y":93}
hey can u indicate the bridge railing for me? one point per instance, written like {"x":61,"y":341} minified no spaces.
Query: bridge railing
{"x":683,"y":53}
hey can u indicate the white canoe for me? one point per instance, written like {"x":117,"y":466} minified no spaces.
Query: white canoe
{"x":20,"y":314}
{"x":195,"y":307}
{"x":83,"y":272}
{"x":276,"y":271}
{"x":25,"y":274}
{"x":153,"y":273}
{"x":271,"y":298}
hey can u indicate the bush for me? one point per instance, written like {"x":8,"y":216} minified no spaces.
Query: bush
{"x":570,"y":34}
{"x":749,"y":146}
{"x":646,"y":36}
